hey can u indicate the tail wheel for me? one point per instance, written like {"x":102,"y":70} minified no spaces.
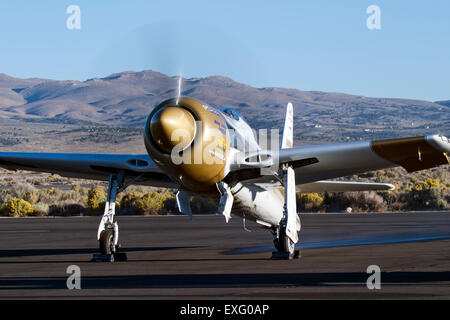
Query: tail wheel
{"x":106,"y":241}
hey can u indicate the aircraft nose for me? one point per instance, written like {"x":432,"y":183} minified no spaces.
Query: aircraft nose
{"x":172,"y":126}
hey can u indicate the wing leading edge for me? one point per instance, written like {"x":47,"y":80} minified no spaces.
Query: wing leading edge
{"x":89,"y":166}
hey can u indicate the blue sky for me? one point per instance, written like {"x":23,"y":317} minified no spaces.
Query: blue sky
{"x":308,"y":45}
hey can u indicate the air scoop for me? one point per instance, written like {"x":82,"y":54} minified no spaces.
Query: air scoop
{"x":172,"y":126}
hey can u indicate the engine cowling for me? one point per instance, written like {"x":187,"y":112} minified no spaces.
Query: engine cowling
{"x":189,"y":141}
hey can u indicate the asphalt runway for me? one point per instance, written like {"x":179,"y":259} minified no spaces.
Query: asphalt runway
{"x":171,"y":257}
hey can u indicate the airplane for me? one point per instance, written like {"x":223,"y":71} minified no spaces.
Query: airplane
{"x":192,"y":148}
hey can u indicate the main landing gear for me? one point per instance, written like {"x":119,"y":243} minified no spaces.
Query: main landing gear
{"x":284,"y":245}
{"x":108,"y":230}
{"x":286,"y":234}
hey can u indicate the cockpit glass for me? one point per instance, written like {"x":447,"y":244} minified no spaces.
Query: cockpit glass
{"x":241,"y":134}
{"x":236,"y":115}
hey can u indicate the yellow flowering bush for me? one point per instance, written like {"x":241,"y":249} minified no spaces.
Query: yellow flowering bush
{"x":96,"y":199}
{"x":130,"y":199}
{"x":17,"y":208}
{"x":309,"y":201}
{"x":430,"y":193}
{"x":150,"y":203}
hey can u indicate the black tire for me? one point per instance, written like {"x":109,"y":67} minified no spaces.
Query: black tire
{"x":285,"y":244}
{"x":106,"y":241}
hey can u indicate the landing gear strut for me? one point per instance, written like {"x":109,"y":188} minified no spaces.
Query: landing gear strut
{"x":286,"y":233}
{"x":108,"y":230}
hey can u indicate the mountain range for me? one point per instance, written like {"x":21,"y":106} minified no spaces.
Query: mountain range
{"x":126,"y":98}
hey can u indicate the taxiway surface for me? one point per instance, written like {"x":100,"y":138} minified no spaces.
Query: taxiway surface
{"x":171,"y":257}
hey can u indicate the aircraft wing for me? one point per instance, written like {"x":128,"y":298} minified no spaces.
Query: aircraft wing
{"x":323,"y":162}
{"x":89,"y":166}
{"x":339,"y":160}
{"x":311,"y":163}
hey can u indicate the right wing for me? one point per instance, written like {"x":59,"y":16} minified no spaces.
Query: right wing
{"x":344,"y":159}
{"x":330,"y":161}
{"x":320,"y":162}
{"x":89,"y":166}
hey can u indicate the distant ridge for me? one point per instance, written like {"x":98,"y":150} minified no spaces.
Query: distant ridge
{"x":126,"y":98}
{"x":444,"y":103}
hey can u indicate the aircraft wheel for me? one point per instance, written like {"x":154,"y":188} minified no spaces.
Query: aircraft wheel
{"x":107,"y":241}
{"x":284,"y":243}
{"x":287,"y":245}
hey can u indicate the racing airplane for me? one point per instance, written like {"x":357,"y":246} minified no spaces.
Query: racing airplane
{"x":197,"y":149}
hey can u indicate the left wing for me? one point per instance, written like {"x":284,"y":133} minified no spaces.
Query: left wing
{"x":89,"y":166}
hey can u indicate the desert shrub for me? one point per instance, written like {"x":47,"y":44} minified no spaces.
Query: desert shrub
{"x":426,"y":194}
{"x":67,"y":208}
{"x":5,"y":195}
{"x":73,"y":196}
{"x":31,"y":196}
{"x":41,"y":209}
{"x":393,"y":199}
{"x":49,"y":196}
{"x":366,"y":201}
{"x":129,"y":199}
{"x":20,"y":189}
{"x":45,"y":196}
{"x":358,"y":201}
{"x":17,"y":208}
{"x":82,"y":192}
{"x":151,"y":203}
{"x":391,"y":174}
{"x":53,"y":178}
{"x":309,"y":201}
{"x":96,"y":199}
{"x":170,"y":204}
{"x":40,"y":183}
{"x":335,"y":201}
{"x":200,"y":205}
{"x":441,"y":204}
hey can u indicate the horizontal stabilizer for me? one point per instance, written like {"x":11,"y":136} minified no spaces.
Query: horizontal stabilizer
{"x":343,"y":186}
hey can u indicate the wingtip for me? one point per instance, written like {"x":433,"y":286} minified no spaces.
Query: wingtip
{"x":439,"y":142}
{"x":391,"y":187}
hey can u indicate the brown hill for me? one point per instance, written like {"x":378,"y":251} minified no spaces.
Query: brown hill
{"x":126,"y":98}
